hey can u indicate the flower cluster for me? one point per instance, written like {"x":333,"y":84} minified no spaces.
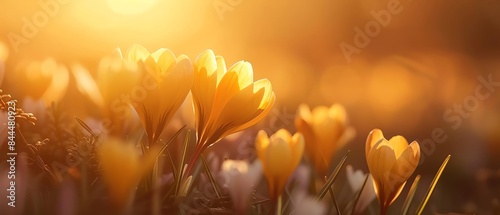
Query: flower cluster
{"x":150,"y":163}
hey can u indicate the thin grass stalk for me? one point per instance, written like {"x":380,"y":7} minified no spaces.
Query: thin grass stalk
{"x":420,"y":209}
{"x":332,"y":178}
{"x":182,"y":168}
{"x":359,"y":194}
{"x":330,"y":190}
{"x":411,"y":194}
{"x":210,"y":177}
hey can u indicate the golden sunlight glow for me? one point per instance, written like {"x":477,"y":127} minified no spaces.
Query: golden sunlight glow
{"x":386,"y":78}
{"x":4,"y":51}
{"x":130,"y":7}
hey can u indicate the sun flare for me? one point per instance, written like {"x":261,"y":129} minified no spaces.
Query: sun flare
{"x":130,"y":7}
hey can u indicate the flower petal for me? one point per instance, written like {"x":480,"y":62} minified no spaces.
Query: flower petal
{"x":261,"y":144}
{"x":380,"y":161}
{"x":304,"y":112}
{"x":244,"y":72}
{"x":221,"y":68}
{"x":355,"y":178}
{"x":398,"y":144}
{"x":278,"y":157}
{"x":297,"y":145}
{"x":406,"y":163}
{"x":206,"y":62}
{"x":136,"y":53}
{"x":338,"y":112}
{"x":164,"y":59}
{"x":268,"y":97}
{"x":375,"y":136}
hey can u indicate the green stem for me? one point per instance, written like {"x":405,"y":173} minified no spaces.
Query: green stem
{"x":279,"y":207}
{"x":192,"y":162}
{"x":383,"y":210}
{"x":156,"y":193}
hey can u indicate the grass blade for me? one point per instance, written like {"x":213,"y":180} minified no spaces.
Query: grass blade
{"x":144,"y":145}
{"x":359,"y":194}
{"x":86,"y":127}
{"x":411,"y":194}
{"x":330,"y":190}
{"x":210,"y":177}
{"x":289,"y":194}
{"x":182,"y":167}
{"x":433,"y":185}
{"x":159,"y":152}
{"x":332,"y":178}
{"x":174,"y":170}
{"x":169,"y":142}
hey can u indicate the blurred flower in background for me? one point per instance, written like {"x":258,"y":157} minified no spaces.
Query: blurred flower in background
{"x":280,"y":154}
{"x":173,"y":79}
{"x":47,"y":80}
{"x":307,"y":205}
{"x":301,"y":177}
{"x":114,"y":155}
{"x":242,"y":179}
{"x":356,"y":179}
{"x":111,"y":99}
{"x":114,"y":69}
{"x":325,"y":130}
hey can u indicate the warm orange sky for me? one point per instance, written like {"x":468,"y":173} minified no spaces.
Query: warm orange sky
{"x":80,"y":29}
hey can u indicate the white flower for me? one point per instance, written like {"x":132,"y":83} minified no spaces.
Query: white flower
{"x":241,"y":178}
{"x":301,"y":176}
{"x":356,"y":180}
{"x":306,"y":205}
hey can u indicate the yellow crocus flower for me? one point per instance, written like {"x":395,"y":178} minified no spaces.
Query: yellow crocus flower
{"x":325,"y":131}
{"x":173,"y":78}
{"x":391,"y":163}
{"x":45,"y":80}
{"x":117,"y":81}
{"x":226,"y":101}
{"x":122,"y":168}
{"x":280,"y":155}
{"x":117,"y":77}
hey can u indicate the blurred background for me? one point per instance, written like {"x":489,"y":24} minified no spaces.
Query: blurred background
{"x":410,"y":75}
